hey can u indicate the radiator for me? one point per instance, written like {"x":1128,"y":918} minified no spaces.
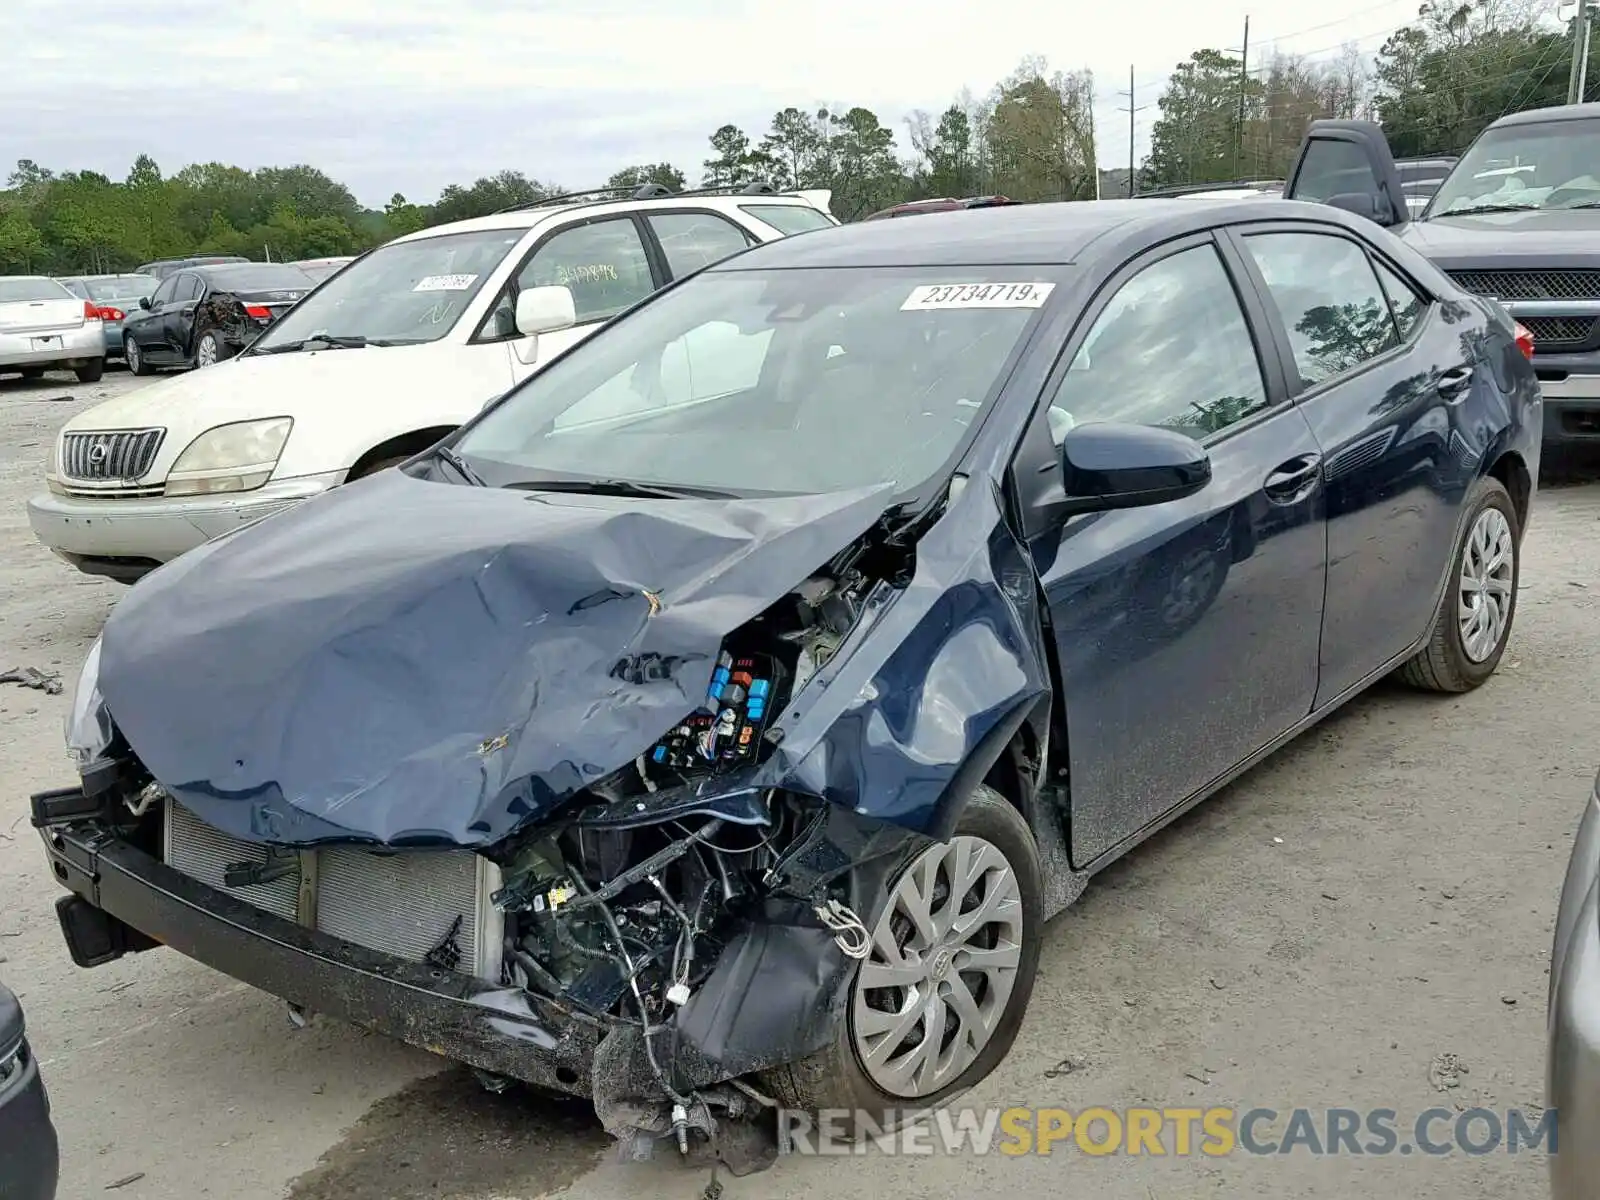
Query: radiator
{"x":402,"y":903}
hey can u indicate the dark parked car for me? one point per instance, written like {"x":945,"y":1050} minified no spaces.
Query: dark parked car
{"x":1573,"y":1076}
{"x":1516,"y":220}
{"x":203,"y":315}
{"x":113,"y":296}
{"x":29,"y":1156}
{"x":648,"y":740}
{"x":163,"y":267}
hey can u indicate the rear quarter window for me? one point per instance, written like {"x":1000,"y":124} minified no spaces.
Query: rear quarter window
{"x":788,"y":219}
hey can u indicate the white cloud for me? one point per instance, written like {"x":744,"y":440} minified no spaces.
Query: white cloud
{"x":408,"y":95}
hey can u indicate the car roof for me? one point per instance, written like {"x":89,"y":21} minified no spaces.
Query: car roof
{"x":1541,"y":116}
{"x":1015,"y":235}
{"x":527,"y":216}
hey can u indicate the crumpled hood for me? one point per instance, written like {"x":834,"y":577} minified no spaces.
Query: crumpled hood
{"x":412,"y":662}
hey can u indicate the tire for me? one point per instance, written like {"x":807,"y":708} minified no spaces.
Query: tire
{"x":210,"y":350}
{"x":132,"y":356}
{"x":837,"y":1077}
{"x":1450,"y":662}
{"x":91,"y":371}
{"x":32,"y":373}
{"x":383,"y":464}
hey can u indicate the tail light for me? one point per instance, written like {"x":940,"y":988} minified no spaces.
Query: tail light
{"x":258,"y":311}
{"x":90,"y":311}
{"x":107,"y":313}
{"x":1524,"y":338}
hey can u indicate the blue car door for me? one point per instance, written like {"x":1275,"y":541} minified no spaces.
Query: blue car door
{"x":1387,"y":379}
{"x":1187,"y":632}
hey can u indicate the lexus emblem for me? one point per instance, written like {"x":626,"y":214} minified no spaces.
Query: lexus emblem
{"x":98,"y":453}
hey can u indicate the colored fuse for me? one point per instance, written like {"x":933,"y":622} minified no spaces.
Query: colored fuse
{"x":760,"y":688}
{"x":660,"y":754}
{"x":742,"y":678}
{"x":732,"y":694}
{"x":754,"y":709}
{"x":745,"y":735}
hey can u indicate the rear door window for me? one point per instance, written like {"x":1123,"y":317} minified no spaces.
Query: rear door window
{"x":694,"y":240}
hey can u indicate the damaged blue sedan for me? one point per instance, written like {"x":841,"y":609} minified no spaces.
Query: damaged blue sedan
{"x":714,"y":721}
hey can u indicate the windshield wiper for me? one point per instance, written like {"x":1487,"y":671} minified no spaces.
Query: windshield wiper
{"x":1475,"y":209}
{"x":459,"y":465}
{"x":1580,"y":204}
{"x":337,"y":341}
{"x":625,"y":487}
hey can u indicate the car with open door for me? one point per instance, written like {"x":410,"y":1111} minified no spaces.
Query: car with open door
{"x":1515,"y":220}
{"x":714,"y":720}
{"x":200,"y":316}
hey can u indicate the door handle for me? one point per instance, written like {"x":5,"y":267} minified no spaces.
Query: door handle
{"x":188,"y":312}
{"x":1452,"y":384}
{"x":1293,"y":479}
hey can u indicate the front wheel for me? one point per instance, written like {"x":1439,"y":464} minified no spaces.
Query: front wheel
{"x":938,"y":1002}
{"x":133,"y":357}
{"x":1473,"y":624}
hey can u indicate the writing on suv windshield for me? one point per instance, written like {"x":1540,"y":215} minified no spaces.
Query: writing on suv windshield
{"x":761,"y":382}
{"x":1549,"y":165}
{"x":400,"y":294}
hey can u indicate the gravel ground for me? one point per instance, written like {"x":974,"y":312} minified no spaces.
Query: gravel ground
{"x":1362,"y":922}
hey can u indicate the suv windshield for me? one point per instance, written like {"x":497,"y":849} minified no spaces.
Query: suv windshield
{"x":1554,"y":164}
{"x":758,"y":382}
{"x":400,"y":293}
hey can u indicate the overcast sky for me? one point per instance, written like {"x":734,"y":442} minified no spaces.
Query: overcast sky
{"x":409,"y":95}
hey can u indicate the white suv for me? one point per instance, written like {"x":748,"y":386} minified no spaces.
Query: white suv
{"x":377,"y":364}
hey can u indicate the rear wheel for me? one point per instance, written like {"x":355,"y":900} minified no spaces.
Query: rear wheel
{"x":91,"y":371}
{"x":210,"y":349}
{"x":938,"y":1002}
{"x":1473,"y":624}
{"x":135,"y":360}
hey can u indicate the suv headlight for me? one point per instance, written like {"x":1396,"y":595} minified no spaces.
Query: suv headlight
{"x":230,"y":458}
{"x":89,"y":729}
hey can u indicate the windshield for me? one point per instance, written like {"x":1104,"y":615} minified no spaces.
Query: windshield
{"x":789,"y":219}
{"x":23,"y":289}
{"x":760,"y":382}
{"x":1555,"y":164}
{"x":108,"y":288}
{"x":402,"y":292}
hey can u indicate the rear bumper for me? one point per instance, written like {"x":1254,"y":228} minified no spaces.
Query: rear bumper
{"x":504,"y":1030}
{"x":30,"y":1159}
{"x":124,"y":539}
{"x":49,"y":346}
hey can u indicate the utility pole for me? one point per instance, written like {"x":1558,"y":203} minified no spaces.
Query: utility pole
{"x":1578,"y":76}
{"x":1244,"y":78}
{"x":1131,"y":110}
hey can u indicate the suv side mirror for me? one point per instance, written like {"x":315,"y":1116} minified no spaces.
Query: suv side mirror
{"x":545,"y":310}
{"x":1110,"y":464}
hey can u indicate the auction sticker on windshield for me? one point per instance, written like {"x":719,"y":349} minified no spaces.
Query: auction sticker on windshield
{"x":977,"y":295}
{"x":444,"y":283}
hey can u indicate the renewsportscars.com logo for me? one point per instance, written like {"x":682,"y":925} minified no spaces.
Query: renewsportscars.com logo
{"x":1173,"y":1132}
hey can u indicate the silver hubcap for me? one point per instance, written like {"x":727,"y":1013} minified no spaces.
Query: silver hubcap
{"x":130,"y":350}
{"x":206,"y":354}
{"x":1485,"y":592}
{"x":943,"y":965}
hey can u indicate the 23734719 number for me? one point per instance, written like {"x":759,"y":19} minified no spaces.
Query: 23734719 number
{"x":977,"y":295}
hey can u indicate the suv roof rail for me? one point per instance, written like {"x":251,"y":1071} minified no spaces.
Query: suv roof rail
{"x":646,"y":191}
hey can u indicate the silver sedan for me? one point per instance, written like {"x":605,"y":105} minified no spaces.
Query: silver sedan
{"x":1574,"y":1066}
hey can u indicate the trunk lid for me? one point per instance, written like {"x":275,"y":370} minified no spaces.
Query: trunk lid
{"x":31,"y":316}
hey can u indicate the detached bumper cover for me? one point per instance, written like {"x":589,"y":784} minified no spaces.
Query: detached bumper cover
{"x":775,"y":995}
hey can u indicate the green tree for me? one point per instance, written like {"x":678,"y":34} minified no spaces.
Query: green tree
{"x":1197,"y":137}
{"x":665,"y":174}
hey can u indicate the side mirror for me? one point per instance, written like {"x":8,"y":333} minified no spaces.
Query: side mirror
{"x":1106,"y":465}
{"x":144,"y":302}
{"x":1363,"y":204}
{"x":545,"y":310}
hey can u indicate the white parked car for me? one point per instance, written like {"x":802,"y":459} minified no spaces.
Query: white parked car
{"x":377,"y":364}
{"x":44,"y":327}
